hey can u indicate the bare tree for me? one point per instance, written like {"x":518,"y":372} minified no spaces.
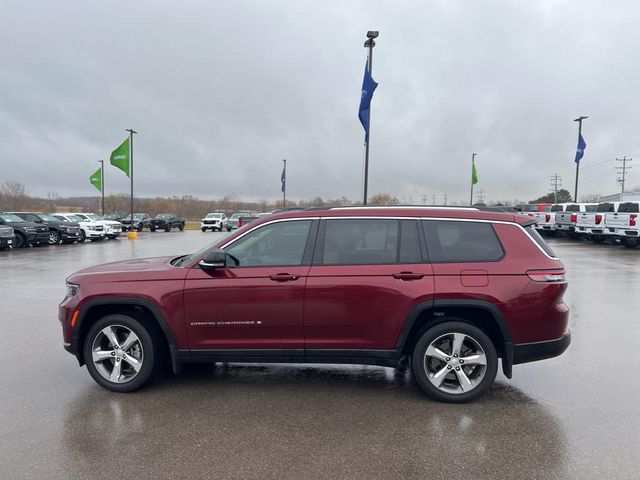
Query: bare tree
{"x":14,"y":195}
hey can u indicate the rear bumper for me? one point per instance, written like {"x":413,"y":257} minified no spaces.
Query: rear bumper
{"x":531,"y":352}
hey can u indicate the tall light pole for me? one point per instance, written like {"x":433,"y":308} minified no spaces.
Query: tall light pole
{"x":101,"y":162}
{"x":473,"y":159}
{"x":369,"y":43}
{"x":284,"y":183}
{"x":131,"y":131}
{"x":579,"y":120}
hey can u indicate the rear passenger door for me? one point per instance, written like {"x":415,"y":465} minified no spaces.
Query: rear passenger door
{"x":366,"y":277}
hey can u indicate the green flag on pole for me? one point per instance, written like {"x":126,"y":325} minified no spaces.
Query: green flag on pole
{"x":96,"y":179}
{"x":474,"y":174}
{"x":120,"y":157}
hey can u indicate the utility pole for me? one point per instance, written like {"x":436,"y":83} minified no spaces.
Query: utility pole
{"x":445,"y":199}
{"x":481,"y":196}
{"x":369,"y":43}
{"x":579,"y":120}
{"x":433,"y":199}
{"x":132,"y":132}
{"x":556,"y":181}
{"x":424,"y":198}
{"x":622,"y":171}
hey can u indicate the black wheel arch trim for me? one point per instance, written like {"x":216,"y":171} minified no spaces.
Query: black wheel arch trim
{"x":129,"y":301}
{"x":493,"y":310}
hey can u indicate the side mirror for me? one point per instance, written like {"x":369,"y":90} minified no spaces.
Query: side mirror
{"x":214,"y":259}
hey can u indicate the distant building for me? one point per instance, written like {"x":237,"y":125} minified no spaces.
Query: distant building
{"x":626,"y":197}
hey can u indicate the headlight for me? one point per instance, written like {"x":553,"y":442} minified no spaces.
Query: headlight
{"x":29,"y":229}
{"x":90,"y":227}
{"x":72,"y":289}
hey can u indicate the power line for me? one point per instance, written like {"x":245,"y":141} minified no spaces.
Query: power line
{"x":556,"y":182}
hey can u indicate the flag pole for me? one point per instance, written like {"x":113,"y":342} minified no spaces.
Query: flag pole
{"x":369,"y":43}
{"x":473,"y":157}
{"x":284,"y":185}
{"x":579,"y":120}
{"x":131,"y":235}
{"x":102,"y":185}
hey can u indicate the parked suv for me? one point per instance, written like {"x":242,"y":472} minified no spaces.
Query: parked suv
{"x":140,"y":220}
{"x":89,"y":229}
{"x":166,"y":221}
{"x":449,"y":290}
{"x":112,"y":228}
{"x":6,"y":237}
{"x":25,"y":233}
{"x":60,"y":231}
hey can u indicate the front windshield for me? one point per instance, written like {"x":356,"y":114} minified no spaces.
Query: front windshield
{"x":214,"y":215}
{"x":238,"y":215}
{"x":74,"y":218}
{"x":10,"y":218}
{"x":164,"y":216}
{"x":94,"y":217}
{"x":45,"y":217}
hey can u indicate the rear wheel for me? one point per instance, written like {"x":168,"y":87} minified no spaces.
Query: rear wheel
{"x":454,"y":361}
{"x":167,"y":228}
{"x":120,"y":353}
{"x":140,"y":227}
{"x":630,"y":242}
{"x":153,"y":229}
{"x":598,"y":238}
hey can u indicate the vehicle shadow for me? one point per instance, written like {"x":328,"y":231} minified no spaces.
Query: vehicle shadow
{"x":301,"y":421}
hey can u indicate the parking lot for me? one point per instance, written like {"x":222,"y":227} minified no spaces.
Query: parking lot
{"x":575,"y":416}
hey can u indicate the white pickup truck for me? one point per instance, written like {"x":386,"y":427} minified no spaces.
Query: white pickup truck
{"x":547,"y":222}
{"x":593,"y":224}
{"x":566,"y":221}
{"x":625,"y":223}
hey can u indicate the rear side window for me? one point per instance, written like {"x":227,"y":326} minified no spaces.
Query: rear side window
{"x":573,"y":208}
{"x":590,"y":208}
{"x":628,"y":207}
{"x":547,"y":208}
{"x":451,"y":241}
{"x":605,"y":207}
{"x":360,"y":242}
{"x":533,"y":233}
{"x":557,"y":208}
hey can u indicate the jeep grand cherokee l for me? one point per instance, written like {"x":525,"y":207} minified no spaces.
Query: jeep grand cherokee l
{"x":449,"y":290}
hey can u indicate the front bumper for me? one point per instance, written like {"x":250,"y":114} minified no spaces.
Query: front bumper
{"x":531,"y":352}
{"x":210,"y":225}
{"x":70,"y":235}
{"x":94,"y":233}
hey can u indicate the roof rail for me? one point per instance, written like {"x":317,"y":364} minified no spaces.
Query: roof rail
{"x":425,"y":207}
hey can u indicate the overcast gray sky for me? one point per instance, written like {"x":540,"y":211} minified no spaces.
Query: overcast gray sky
{"x":222,"y":91}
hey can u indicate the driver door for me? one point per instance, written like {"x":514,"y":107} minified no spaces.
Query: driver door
{"x":256,"y":301}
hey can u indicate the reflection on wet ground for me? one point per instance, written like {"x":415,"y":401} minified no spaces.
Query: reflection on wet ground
{"x":571,"y":417}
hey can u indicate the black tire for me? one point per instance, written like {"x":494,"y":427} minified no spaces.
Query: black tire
{"x":54,"y":237}
{"x":630,"y":242}
{"x":140,"y":227}
{"x":167,"y":228}
{"x":152,"y":229}
{"x":149,"y":348}
{"x":19,"y":240}
{"x":181,"y":227}
{"x":83,"y":236}
{"x":203,"y":229}
{"x":429,"y":335}
{"x":598,"y":238}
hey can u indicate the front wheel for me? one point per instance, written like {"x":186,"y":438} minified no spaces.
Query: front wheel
{"x":181,"y":227}
{"x":152,"y":229}
{"x":54,"y":237}
{"x":120,"y":353}
{"x":454,"y":361}
{"x":167,"y":229}
{"x":203,"y":229}
{"x":19,"y":240}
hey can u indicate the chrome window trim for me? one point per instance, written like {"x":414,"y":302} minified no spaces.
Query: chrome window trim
{"x":378,"y":217}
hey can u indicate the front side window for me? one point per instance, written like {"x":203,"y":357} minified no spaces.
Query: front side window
{"x":453,"y":241}
{"x":275,"y":244}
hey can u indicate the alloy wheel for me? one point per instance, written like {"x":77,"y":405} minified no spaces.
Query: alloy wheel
{"x":54,"y":237}
{"x":117,"y":353}
{"x":455,"y":363}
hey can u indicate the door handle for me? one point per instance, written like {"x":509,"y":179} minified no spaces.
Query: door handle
{"x":283,"y":277}
{"x":408,"y":276}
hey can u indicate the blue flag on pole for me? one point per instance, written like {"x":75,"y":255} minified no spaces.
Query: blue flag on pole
{"x":368,"y":87}
{"x":283,"y":178}
{"x":580,"y":150}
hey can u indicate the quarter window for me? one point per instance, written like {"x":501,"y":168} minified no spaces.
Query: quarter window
{"x":452,"y":241}
{"x":276,"y":244}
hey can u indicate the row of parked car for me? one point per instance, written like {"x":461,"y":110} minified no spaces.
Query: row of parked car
{"x":218,"y":221}
{"x":21,"y":229}
{"x":617,"y":221}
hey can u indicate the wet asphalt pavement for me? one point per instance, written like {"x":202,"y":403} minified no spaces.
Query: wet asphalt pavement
{"x":576,"y":416}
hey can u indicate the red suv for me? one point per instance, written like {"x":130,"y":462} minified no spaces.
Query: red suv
{"x":449,"y":290}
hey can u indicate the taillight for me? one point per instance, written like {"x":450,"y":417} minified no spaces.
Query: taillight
{"x":547,"y":276}
{"x":574,"y":218}
{"x":547,"y":218}
{"x":632,"y":220}
{"x":598,"y":219}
